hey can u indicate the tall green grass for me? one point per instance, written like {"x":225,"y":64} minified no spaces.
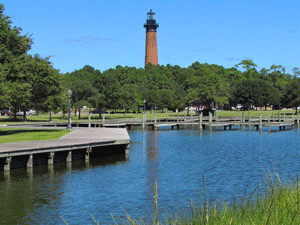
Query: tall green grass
{"x":275,"y":203}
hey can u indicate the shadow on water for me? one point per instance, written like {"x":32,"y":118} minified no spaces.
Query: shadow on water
{"x":25,"y":190}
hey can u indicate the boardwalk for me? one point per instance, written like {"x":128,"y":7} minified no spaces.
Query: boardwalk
{"x":180,"y":122}
{"x":79,"y":138}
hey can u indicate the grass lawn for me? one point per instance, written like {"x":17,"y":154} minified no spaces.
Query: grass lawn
{"x":18,"y":135}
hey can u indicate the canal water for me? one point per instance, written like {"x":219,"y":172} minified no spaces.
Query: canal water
{"x":187,"y":164}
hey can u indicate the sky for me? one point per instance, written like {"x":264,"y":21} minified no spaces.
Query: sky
{"x":108,"y":33}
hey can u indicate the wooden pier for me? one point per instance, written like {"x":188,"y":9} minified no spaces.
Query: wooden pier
{"x":179,"y":122}
{"x":83,"y":142}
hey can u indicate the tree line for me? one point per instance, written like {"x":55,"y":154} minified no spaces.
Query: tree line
{"x":173,"y":87}
{"x":32,"y":82}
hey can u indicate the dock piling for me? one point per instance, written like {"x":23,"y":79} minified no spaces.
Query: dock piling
{"x":51,"y":158}
{"x":210,"y":118}
{"x":127,"y":151}
{"x":144,"y":120}
{"x":279,"y":118}
{"x":69,"y":157}
{"x":87,"y":154}
{"x":200,"y":121}
{"x":30,"y":161}
{"x":260,"y":122}
{"x":7,"y":163}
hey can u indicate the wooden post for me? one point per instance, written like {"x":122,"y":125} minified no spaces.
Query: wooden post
{"x":69,"y":157}
{"x":30,"y":161}
{"x":144,"y":118}
{"x":210,"y":118}
{"x":103,"y":118}
{"x":51,"y":158}
{"x":7,"y":163}
{"x":297,"y":118}
{"x":243,"y":117}
{"x":30,"y":173}
{"x":293,"y":118}
{"x":127,"y":151}
{"x":260,"y":122}
{"x":87,"y":154}
{"x":89,"y":120}
{"x":284,"y":117}
{"x":269,"y":123}
{"x":155,"y":119}
{"x":177,"y":115}
{"x":200,"y":121}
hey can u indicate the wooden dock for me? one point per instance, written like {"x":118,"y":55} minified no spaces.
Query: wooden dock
{"x":179,"y":122}
{"x":82,"y":140}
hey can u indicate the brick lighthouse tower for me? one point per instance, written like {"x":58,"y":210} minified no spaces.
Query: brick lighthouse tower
{"x":151,"y":43}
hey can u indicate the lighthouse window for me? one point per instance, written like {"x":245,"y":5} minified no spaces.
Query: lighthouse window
{"x":151,"y":15}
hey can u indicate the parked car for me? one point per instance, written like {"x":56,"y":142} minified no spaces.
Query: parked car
{"x":28,"y":112}
{"x":6,"y":112}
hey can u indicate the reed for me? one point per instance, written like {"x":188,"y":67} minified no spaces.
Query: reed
{"x":277,"y":204}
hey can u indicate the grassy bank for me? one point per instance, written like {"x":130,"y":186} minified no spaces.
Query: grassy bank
{"x":17,"y":135}
{"x":280,"y":204}
{"x":277,"y":204}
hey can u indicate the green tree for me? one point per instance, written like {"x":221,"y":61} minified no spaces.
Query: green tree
{"x":81,"y":82}
{"x":256,"y":93}
{"x":207,"y":85}
{"x":26,"y":81}
{"x":291,"y":94}
{"x":250,"y":69}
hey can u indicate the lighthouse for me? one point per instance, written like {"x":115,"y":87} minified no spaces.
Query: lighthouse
{"x":151,"y":42}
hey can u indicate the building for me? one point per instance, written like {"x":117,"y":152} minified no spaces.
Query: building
{"x":151,"y":41}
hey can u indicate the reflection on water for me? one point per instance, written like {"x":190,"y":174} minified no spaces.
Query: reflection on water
{"x":231,"y":163}
{"x":26,"y":195}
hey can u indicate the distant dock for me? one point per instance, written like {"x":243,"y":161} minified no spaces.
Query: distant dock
{"x":180,"y":122}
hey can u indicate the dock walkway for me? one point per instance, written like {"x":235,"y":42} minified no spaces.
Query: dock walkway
{"x":79,"y":138}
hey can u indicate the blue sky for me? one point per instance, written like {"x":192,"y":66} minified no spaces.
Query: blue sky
{"x":104,"y":34}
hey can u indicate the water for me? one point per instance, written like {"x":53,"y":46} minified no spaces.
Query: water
{"x":228,"y":163}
